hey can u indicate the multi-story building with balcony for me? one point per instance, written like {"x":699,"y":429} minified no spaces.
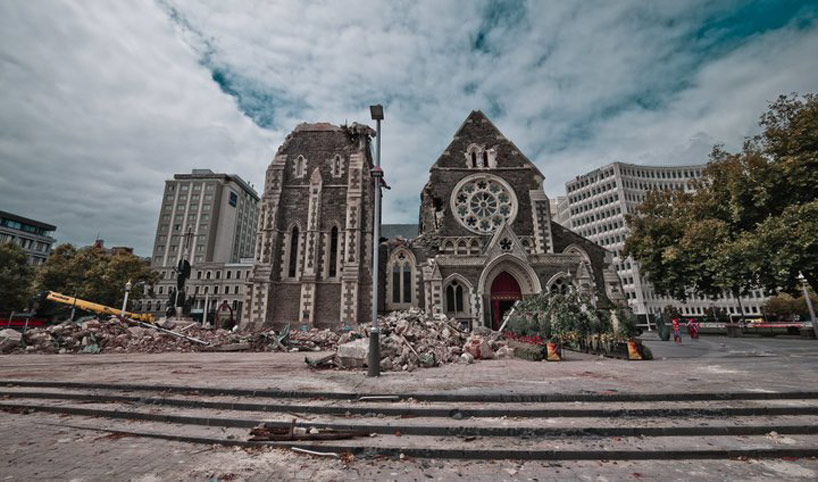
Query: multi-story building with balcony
{"x":597,"y":203}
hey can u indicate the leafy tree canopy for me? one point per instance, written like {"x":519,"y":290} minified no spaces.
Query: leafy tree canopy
{"x":94,"y":275}
{"x":16,"y":277}
{"x":752,"y":220}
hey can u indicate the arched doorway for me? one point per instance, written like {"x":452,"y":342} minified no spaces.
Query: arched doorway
{"x":504,"y":292}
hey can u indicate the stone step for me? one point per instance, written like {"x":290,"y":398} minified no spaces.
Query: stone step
{"x":476,"y":448}
{"x":495,"y":427}
{"x":484,"y":397}
{"x":433,"y":409}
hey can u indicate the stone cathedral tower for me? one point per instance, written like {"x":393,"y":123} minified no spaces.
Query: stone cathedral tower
{"x":314,"y":243}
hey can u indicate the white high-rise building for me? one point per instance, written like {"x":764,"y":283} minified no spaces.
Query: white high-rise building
{"x":597,"y":203}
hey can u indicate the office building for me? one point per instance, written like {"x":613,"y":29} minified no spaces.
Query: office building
{"x":217,"y":215}
{"x":597,"y":203}
{"x":33,"y":236}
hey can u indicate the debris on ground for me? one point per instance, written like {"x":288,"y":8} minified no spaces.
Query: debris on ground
{"x":9,"y":339}
{"x":266,"y":432}
{"x":115,"y":336}
{"x":409,"y":340}
{"x":412,"y":339}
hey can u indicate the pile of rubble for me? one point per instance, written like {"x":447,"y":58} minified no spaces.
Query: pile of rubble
{"x":114,"y":336}
{"x":412,"y":339}
{"x":409,"y":340}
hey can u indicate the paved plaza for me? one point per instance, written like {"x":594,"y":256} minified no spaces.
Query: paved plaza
{"x":48,"y":446}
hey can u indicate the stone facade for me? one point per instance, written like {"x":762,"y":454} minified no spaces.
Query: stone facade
{"x":486,"y":237}
{"x":313,"y":259}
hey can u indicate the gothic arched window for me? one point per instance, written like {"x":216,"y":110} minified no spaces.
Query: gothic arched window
{"x":402,"y":288}
{"x":396,"y":269}
{"x":333,"y":252}
{"x":455,"y":294}
{"x":559,"y":286}
{"x":300,"y":166}
{"x":337,"y":166}
{"x":293,"y":258}
{"x":407,"y":282}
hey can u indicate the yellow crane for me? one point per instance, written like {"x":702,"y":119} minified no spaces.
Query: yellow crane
{"x":96,"y":307}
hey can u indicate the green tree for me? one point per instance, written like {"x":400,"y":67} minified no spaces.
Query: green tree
{"x":16,"y":278}
{"x":784,"y":306}
{"x":752,"y":220}
{"x":94,"y":275}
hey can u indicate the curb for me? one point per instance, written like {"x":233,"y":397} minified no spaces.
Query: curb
{"x":422,"y":411}
{"x":433,"y":397}
{"x":425,"y":430}
{"x":488,"y":454}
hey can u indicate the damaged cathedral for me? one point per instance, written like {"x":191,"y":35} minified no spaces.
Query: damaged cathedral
{"x":485,"y":237}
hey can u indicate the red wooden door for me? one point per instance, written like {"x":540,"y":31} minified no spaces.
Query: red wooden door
{"x":504,"y":288}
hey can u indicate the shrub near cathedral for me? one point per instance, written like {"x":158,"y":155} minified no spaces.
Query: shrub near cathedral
{"x":569,"y":321}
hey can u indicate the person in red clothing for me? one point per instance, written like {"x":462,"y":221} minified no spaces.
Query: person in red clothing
{"x":693,"y":328}
{"x":677,"y":335}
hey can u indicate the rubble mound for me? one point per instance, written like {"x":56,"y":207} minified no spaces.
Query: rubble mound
{"x":412,"y":339}
{"x":115,"y":336}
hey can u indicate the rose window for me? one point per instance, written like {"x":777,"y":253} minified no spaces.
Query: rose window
{"x":483,"y":202}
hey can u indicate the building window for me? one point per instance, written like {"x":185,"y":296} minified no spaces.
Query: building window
{"x":291,"y":270}
{"x":236,"y":290}
{"x":337,"y":167}
{"x":207,"y":275}
{"x":300,"y":166}
{"x":333,"y":252}
{"x":396,"y":269}
{"x":402,"y":278}
{"x":229,"y":273}
{"x":215,"y":290}
{"x":559,"y":286}
{"x":454,"y":298}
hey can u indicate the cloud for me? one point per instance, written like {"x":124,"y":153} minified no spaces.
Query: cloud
{"x":104,"y":102}
{"x":101,"y":105}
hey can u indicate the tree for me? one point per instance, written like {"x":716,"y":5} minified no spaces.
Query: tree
{"x":750,"y":223}
{"x":95,"y":275}
{"x":16,"y":278}
{"x":784,"y":306}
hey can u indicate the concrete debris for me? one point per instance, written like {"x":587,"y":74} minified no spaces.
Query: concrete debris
{"x":411,"y":339}
{"x":353,"y":354}
{"x":478,"y":347}
{"x":268,"y":432}
{"x":114,"y":336}
{"x":9,"y":340}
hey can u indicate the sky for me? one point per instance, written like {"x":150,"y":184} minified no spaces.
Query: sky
{"x":101,"y":101}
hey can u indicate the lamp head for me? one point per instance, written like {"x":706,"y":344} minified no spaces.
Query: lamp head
{"x":376,"y":111}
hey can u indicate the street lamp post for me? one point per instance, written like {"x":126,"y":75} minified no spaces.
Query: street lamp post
{"x":374,"y":361}
{"x":809,"y":303}
{"x":125,"y":301}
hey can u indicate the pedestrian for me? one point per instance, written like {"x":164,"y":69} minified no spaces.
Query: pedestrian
{"x":693,"y":328}
{"x":677,"y":335}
